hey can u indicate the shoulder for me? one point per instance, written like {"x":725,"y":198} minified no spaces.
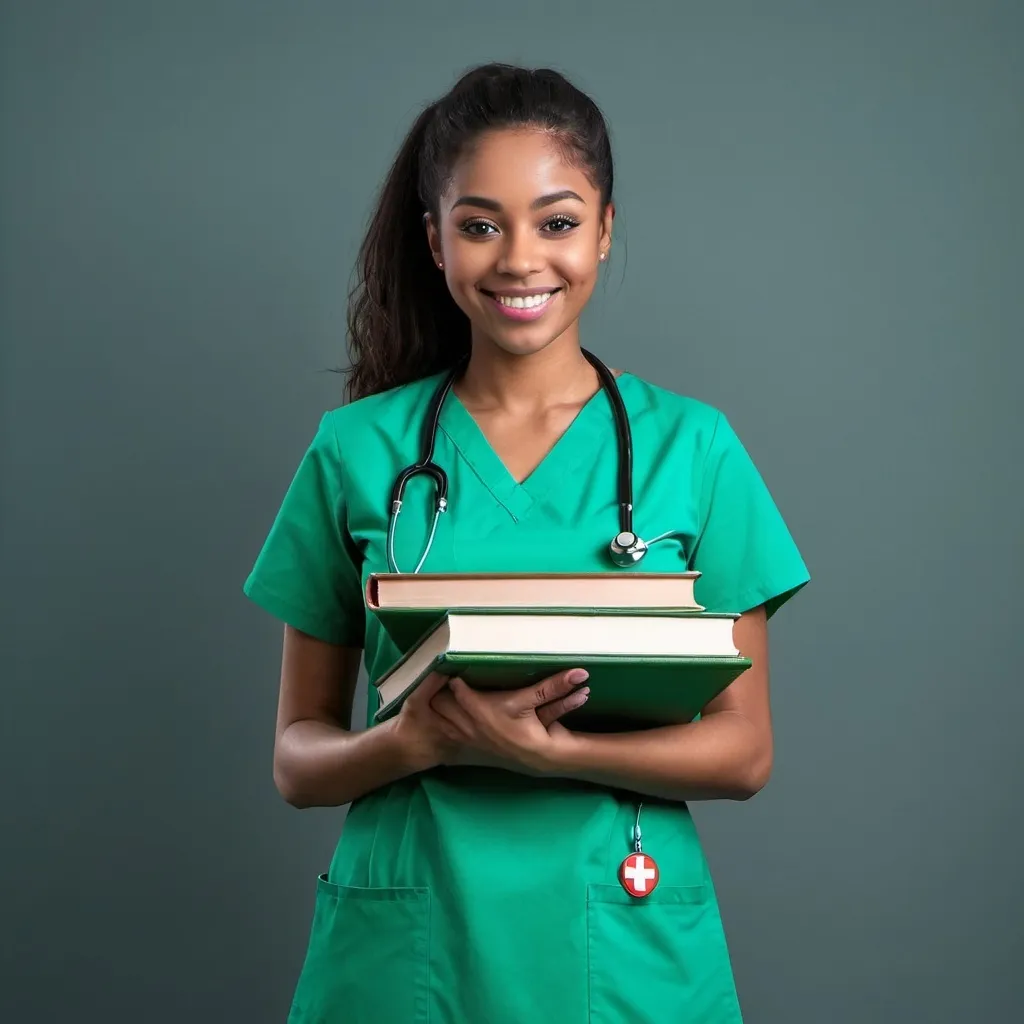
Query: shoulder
{"x":661,"y":412}
{"x":370,"y":428}
{"x":387,"y":411}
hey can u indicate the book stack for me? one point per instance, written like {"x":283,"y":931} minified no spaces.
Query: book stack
{"x":653,"y":654}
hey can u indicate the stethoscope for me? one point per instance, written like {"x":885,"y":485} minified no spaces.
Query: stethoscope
{"x":625,"y":550}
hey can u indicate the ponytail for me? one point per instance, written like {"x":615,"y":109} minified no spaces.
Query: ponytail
{"x":403,"y":323}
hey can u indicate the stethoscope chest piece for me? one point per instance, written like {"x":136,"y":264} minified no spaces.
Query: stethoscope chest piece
{"x":627,"y":549}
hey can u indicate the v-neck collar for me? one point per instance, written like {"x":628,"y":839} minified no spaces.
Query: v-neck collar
{"x":594,"y":419}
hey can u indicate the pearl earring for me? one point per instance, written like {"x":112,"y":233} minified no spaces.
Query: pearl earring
{"x":440,"y":265}
{"x":603,"y":255}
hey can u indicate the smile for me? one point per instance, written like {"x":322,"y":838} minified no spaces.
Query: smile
{"x":523,"y":307}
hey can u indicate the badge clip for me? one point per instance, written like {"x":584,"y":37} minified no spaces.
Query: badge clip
{"x":638,"y":873}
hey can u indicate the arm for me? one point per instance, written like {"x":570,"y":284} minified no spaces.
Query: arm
{"x":320,"y":762}
{"x":727,"y":754}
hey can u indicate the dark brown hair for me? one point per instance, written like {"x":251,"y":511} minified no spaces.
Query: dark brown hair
{"x":403,"y":323}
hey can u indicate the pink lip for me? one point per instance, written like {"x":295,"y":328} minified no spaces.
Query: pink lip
{"x":533,"y":313}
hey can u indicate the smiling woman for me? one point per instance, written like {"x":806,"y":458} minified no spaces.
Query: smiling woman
{"x":511,"y":175}
{"x":477,"y":877}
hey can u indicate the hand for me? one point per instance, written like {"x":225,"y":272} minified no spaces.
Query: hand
{"x":427,"y":738}
{"x":517,"y":727}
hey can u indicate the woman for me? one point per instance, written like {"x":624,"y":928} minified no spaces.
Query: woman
{"x":476,"y":878}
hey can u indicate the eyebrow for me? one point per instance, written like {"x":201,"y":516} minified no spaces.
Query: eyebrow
{"x":491,"y":204}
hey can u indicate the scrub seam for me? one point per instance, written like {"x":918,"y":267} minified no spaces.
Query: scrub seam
{"x":340,"y":518}
{"x":763,"y":593}
{"x":590,"y":1008}
{"x":430,"y":933}
{"x":476,"y":472}
{"x":337,"y":450}
{"x":700,"y":497}
{"x":299,"y":617}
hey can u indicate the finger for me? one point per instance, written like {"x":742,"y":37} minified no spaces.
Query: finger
{"x":462,"y":693}
{"x":424,"y":693}
{"x":553,"y":711}
{"x":446,"y":705}
{"x":553,"y":688}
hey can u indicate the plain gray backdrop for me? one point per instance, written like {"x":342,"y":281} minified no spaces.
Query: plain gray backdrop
{"x":820,"y":231}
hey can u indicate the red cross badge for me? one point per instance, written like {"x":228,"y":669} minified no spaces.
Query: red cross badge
{"x":638,"y":874}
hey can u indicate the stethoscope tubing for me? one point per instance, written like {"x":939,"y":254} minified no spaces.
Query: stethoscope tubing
{"x":428,"y":467}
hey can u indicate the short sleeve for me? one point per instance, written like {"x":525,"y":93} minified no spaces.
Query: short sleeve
{"x":306,"y":573}
{"x":744,"y":550}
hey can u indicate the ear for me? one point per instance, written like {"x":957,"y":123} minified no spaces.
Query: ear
{"x":433,"y":238}
{"x":607,"y":219}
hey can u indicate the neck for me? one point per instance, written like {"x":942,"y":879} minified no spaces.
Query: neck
{"x":557,"y":374}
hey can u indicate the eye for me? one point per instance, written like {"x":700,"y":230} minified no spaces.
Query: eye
{"x":470,"y":228}
{"x":561,"y":223}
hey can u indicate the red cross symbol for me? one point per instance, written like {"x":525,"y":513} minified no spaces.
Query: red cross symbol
{"x":638,"y":874}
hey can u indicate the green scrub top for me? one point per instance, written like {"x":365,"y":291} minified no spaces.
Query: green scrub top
{"x":481,"y":896}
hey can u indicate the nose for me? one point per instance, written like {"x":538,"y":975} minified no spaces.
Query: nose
{"x":520,"y":254}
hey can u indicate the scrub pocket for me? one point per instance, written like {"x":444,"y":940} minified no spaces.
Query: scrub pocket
{"x":367,"y":958}
{"x":659,"y":958}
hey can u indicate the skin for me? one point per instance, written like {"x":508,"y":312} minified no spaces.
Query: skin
{"x":524,"y":384}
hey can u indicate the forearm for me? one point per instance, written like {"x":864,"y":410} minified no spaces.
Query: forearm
{"x":722,"y":756}
{"x":321,"y":765}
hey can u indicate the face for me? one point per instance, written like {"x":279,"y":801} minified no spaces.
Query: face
{"x":520,"y":233}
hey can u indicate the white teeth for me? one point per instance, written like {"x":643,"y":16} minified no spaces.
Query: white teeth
{"x":525,"y":301}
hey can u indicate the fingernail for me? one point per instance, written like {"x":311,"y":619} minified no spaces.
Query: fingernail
{"x":578,"y":675}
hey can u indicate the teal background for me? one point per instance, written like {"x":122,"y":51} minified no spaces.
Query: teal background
{"x":820,"y":231}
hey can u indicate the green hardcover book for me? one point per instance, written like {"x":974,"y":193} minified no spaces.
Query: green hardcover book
{"x":645,"y":668}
